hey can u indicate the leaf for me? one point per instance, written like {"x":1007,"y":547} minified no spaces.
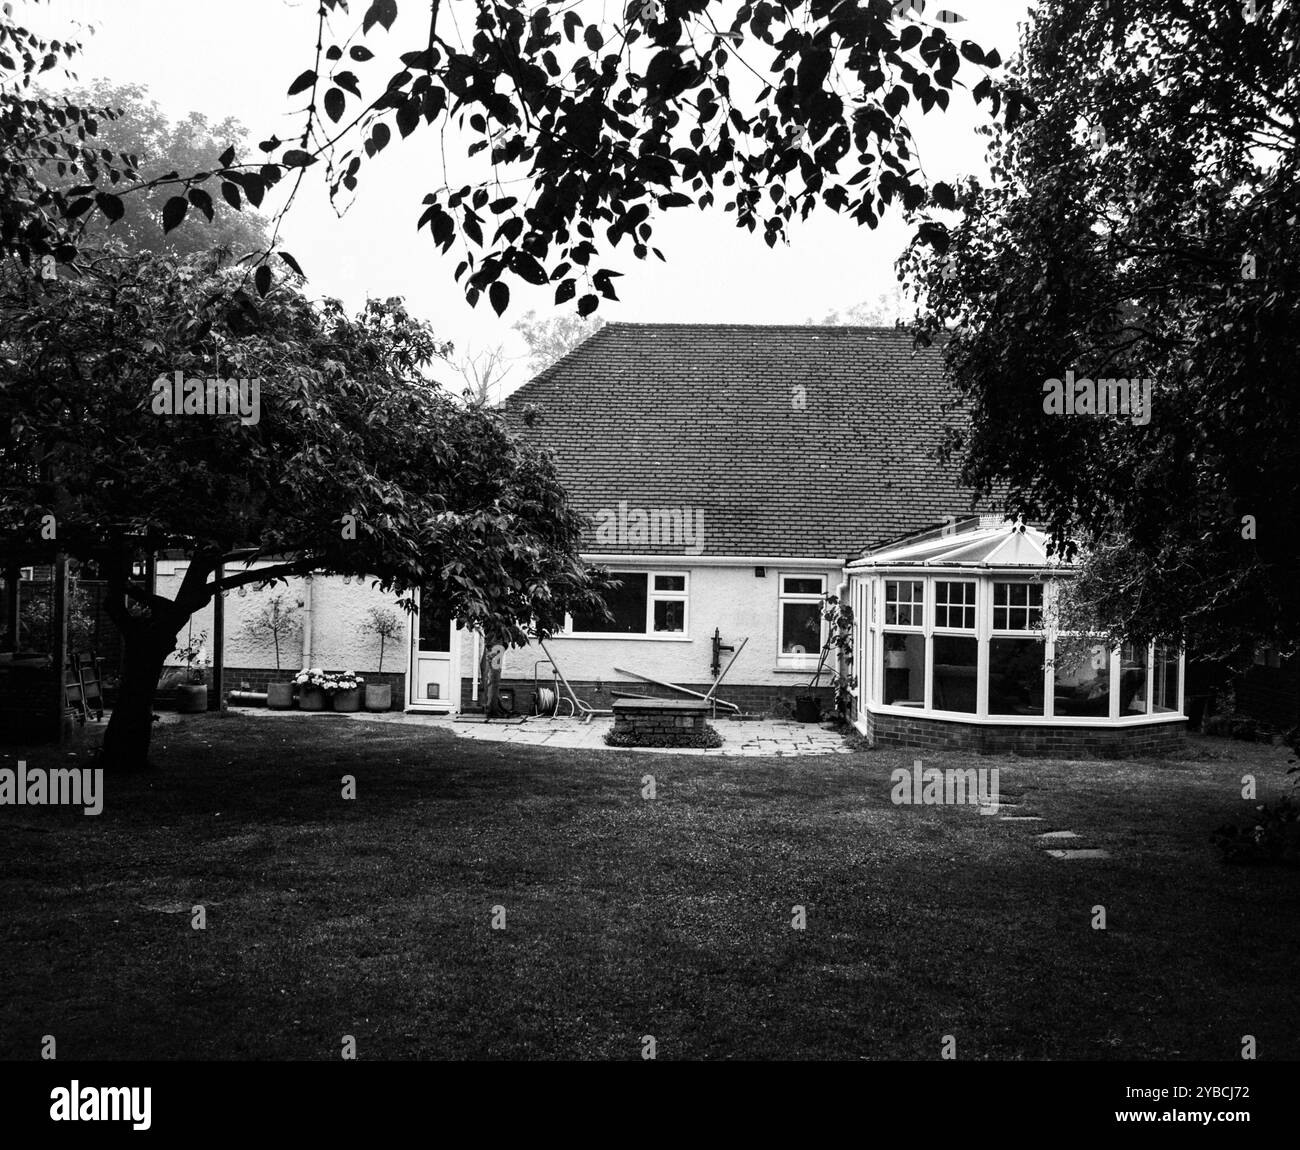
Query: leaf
{"x":293,"y":263}
{"x":262,"y":279}
{"x":408,"y":116}
{"x":595,"y":41}
{"x":173,"y":212}
{"x":588,"y":304}
{"x":111,"y":205}
{"x":227,"y":157}
{"x":230,"y":193}
{"x":348,"y":82}
{"x":909,"y":38}
{"x":361,"y":53}
{"x":566,"y":291}
{"x":335,"y":103}
{"x":380,"y":12}
{"x":298,"y":159}
{"x":303,"y":82}
{"x":499,"y":297}
{"x":201,"y":200}
{"x":527,"y":268}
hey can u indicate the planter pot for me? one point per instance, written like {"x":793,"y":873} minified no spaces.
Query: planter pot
{"x":379,"y":696}
{"x":191,"y":698}
{"x":348,"y":700}
{"x":279,"y":696}
{"x":807,"y":709}
{"x":312,"y":699}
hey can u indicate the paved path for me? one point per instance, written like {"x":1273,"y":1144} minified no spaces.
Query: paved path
{"x":751,"y":737}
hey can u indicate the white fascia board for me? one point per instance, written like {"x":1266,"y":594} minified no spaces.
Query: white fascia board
{"x":711,"y":561}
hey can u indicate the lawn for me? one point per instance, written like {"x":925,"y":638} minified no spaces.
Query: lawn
{"x":626,"y":916}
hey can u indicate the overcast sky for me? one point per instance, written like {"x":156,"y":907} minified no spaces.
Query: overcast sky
{"x":238,"y":57}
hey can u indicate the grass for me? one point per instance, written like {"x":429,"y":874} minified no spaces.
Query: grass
{"x":628,"y":917}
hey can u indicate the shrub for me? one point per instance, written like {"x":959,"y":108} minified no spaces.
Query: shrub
{"x":709,"y":739}
{"x":1273,"y":837}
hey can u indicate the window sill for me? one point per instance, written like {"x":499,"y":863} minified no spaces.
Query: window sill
{"x":627,"y":636}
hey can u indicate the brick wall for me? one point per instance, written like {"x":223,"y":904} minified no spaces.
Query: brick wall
{"x":657,"y":721}
{"x":1040,"y":741}
{"x":755,"y":699}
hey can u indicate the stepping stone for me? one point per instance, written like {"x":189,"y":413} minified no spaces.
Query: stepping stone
{"x":1022,"y":818}
{"x":1080,"y":854}
{"x":1059,"y":835}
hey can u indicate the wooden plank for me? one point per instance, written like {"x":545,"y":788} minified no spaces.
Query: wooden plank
{"x":675,"y":687}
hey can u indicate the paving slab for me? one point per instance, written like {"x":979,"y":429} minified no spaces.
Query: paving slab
{"x":1080,"y":854}
{"x":1059,"y":835}
{"x":1022,"y":818}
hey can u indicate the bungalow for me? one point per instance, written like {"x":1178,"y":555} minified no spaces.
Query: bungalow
{"x":733,"y":476}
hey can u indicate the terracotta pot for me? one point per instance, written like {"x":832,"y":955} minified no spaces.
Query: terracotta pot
{"x":279,"y":696}
{"x":191,"y":698}
{"x":379,"y":696}
{"x":347,"y":700}
{"x":312,"y":699}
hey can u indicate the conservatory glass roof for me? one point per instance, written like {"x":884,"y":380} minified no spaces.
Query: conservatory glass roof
{"x":984,"y":542}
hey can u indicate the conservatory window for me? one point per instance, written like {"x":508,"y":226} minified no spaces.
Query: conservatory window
{"x":956,"y":669}
{"x":902,"y":672}
{"x":1016,"y":676}
{"x":1133,"y":679}
{"x":1081,"y":677}
{"x":1165,"y":686}
{"x":904,"y":601}
{"x":954,"y":605}
{"x":1017,"y":606}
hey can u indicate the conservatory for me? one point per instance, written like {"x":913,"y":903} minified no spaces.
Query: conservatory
{"x":954,"y":647}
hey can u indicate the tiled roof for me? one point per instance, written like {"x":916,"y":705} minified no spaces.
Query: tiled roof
{"x":791,"y":441}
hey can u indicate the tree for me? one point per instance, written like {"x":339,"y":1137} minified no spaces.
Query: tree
{"x":142,"y":129}
{"x":482,"y":371}
{"x":346,"y":459}
{"x":1141,"y":226}
{"x":551,"y":339}
{"x":276,"y":619}
{"x":383,"y":623}
{"x":884,"y":310}
{"x":600,"y":127}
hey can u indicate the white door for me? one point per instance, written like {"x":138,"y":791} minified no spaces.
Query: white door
{"x":435,"y":675}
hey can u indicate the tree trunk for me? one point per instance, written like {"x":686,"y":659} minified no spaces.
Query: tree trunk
{"x":130,"y":726}
{"x":490,"y":678}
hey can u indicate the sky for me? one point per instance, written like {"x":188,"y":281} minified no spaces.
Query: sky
{"x":238,"y":57}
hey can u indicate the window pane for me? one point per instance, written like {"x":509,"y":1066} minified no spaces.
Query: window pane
{"x":801,"y":628}
{"x":956,"y":660}
{"x":670,"y":615}
{"x":903,"y":602}
{"x":954,"y":605}
{"x":801,"y":585}
{"x":1133,"y":680}
{"x":1015,"y":676}
{"x":670,"y":582}
{"x":1081,"y":679}
{"x":435,"y":623}
{"x":1165,"y":688}
{"x":902,"y":674}
{"x":1017,"y":606}
{"x":626,"y":602}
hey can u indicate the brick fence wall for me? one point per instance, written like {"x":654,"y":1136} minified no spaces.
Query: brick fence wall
{"x":1042,"y":741}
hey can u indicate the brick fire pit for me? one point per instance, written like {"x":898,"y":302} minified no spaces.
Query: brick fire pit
{"x":659,"y":716}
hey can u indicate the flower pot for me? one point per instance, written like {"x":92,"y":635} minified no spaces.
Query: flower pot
{"x":379,"y":696}
{"x":312,"y":699}
{"x":349,"y":700}
{"x":191,"y":698}
{"x":279,"y":696}
{"x":807,"y":709}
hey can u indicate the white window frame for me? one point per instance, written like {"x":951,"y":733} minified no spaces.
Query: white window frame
{"x":652,"y":596}
{"x":808,"y":659}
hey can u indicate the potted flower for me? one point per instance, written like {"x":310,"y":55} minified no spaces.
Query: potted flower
{"x":381,"y":621}
{"x":311,"y":689}
{"x":344,"y":690}
{"x":192,"y":692}
{"x":276,"y":620}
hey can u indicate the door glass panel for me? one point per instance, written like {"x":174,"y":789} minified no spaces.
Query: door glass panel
{"x":435,"y":624}
{"x":1016,"y":676}
{"x":956,"y":663}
